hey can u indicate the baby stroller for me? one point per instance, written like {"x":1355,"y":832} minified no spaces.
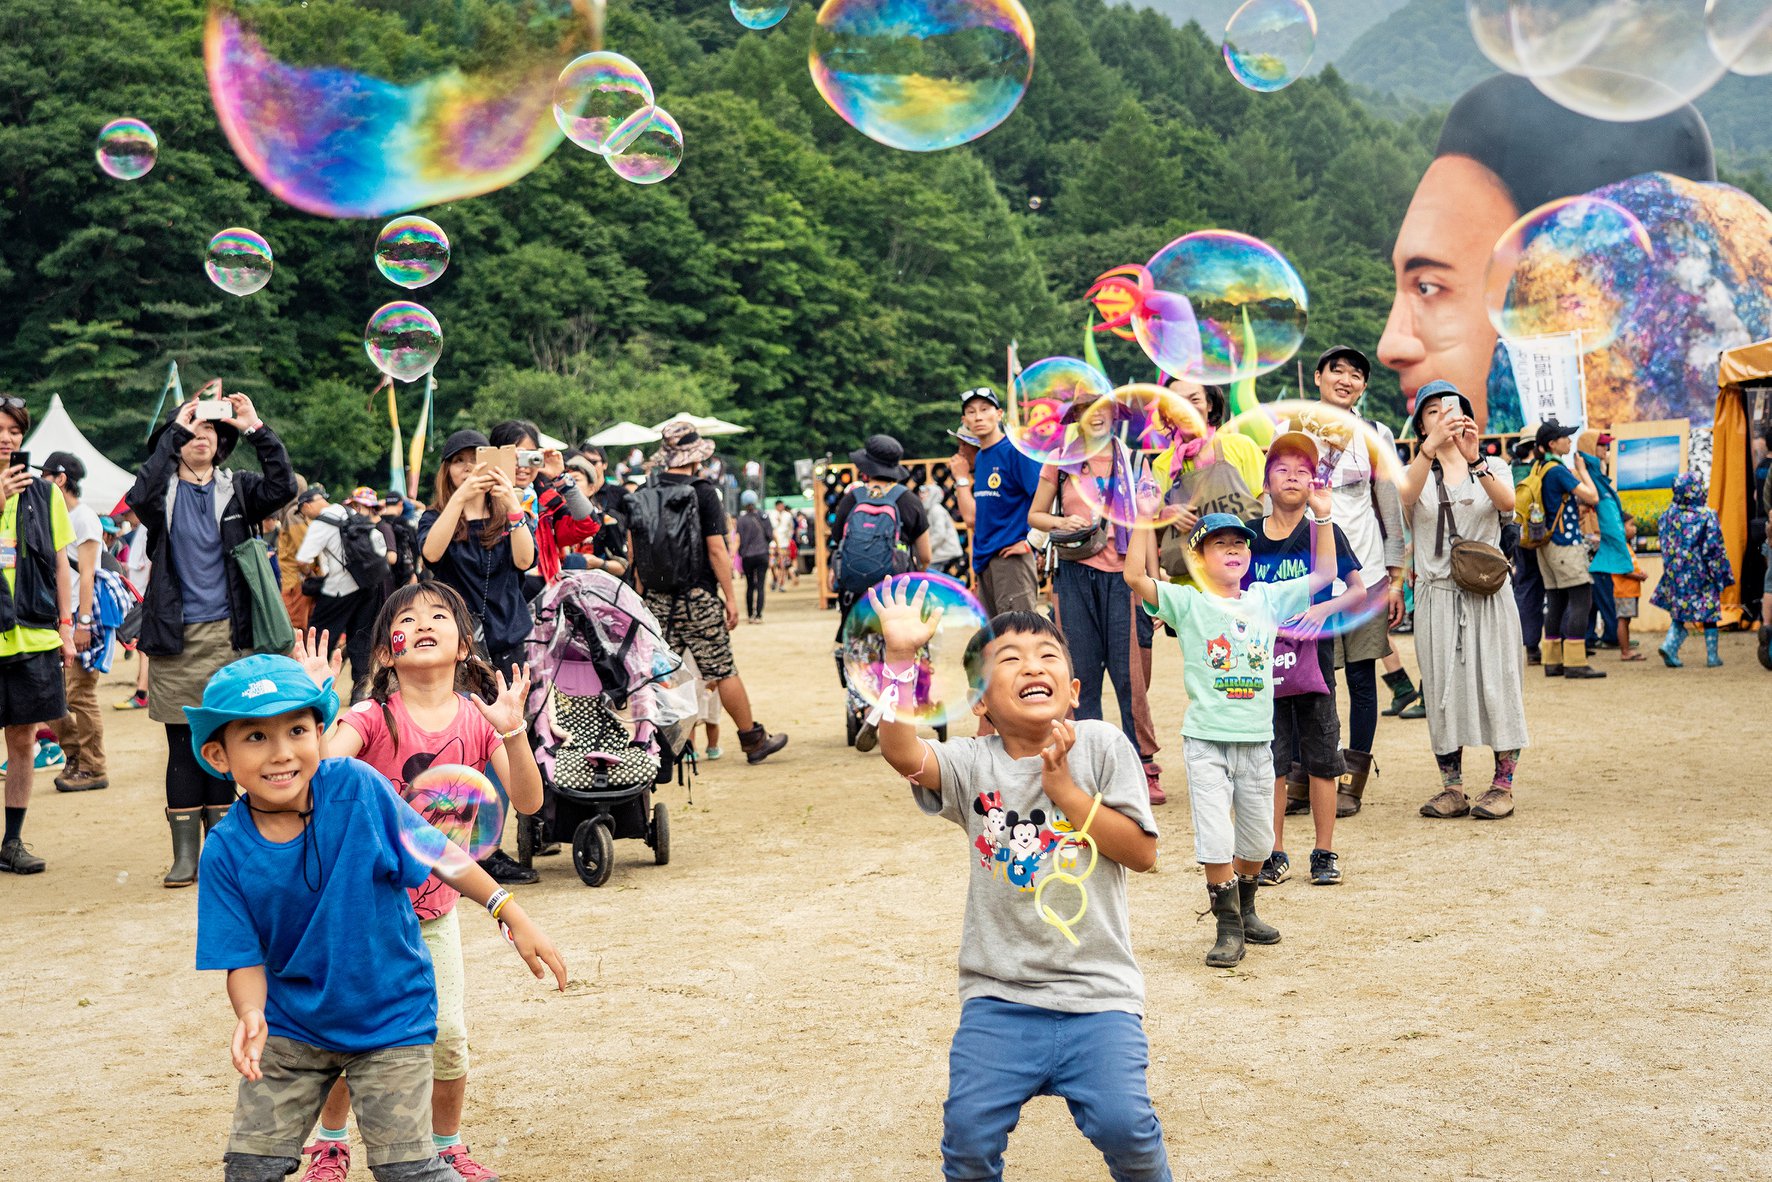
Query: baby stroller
{"x":596,"y":654}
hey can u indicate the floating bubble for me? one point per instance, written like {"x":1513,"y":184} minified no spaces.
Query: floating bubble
{"x":1740,"y":33}
{"x":652,"y":155}
{"x":753,"y":14}
{"x":412,"y":251}
{"x":1248,"y":301}
{"x":940,"y":694}
{"x":1567,"y":267}
{"x":1493,"y":32}
{"x":1550,"y":36}
{"x":127,"y":149}
{"x":602,"y":102}
{"x":366,"y":111}
{"x":1152,"y":428}
{"x":460,"y":803}
{"x":403,"y":339}
{"x":1268,"y":43}
{"x":1036,"y":202}
{"x":238,"y":261}
{"x":922,"y":75}
{"x":1653,"y":58}
{"x":1049,"y":418}
{"x":122,"y":877}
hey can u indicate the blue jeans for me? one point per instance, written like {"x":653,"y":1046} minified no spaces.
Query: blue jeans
{"x":1603,"y":612}
{"x":1095,"y":614}
{"x":1005,"y":1054}
{"x":1529,"y":596}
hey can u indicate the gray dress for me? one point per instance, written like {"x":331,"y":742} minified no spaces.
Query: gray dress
{"x":1468,"y":645}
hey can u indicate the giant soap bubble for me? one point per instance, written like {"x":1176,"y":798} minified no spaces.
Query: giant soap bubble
{"x":602,"y":102}
{"x":1048,"y":405}
{"x":1248,"y":301}
{"x":939,"y":692}
{"x":1268,"y":44}
{"x":1567,"y":266}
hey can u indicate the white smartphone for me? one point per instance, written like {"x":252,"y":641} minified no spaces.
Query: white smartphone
{"x":214,"y":408}
{"x":1449,"y":405}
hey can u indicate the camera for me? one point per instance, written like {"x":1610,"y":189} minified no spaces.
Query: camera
{"x":527,"y":458}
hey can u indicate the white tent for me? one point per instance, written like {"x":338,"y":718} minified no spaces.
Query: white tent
{"x":625,"y":434}
{"x":105,"y":482}
{"x":548,"y":441}
{"x":707,"y":427}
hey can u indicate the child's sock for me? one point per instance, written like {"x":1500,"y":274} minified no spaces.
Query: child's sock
{"x":326,"y":1134}
{"x":1451,"y":768}
{"x":1505,"y":763}
{"x":15,"y":821}
{"x":442,"y":1141}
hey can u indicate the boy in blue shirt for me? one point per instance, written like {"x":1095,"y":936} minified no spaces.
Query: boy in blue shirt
{"x":996,"y":486}
{"x":302,"y":900}
{"x":1227,"y":642}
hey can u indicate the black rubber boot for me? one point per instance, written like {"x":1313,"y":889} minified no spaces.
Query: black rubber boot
{"x":1255,"y":931}
{"x":1298,"y":791}
{"x":1403,"y":692}
{"x":212,"y":815}
{"x":1351,"y":791}
{"x":187,"y":846}
{"x":1228,"y":911}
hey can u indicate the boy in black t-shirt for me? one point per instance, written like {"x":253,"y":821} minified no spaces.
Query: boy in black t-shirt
{"x":1307,"y":729}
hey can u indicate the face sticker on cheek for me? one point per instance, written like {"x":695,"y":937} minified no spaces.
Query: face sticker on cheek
{"x":397,"y":642}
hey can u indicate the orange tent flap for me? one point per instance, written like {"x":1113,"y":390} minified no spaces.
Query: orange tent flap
{"x":1745,"y":363}
{"x":1729,"y":495}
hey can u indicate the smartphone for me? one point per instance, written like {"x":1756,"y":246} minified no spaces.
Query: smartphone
{"x":21,"y":459}
{"x":214,"y":408}
{"x":502,"y":458}
{"x":1449,"y":405}
{"x":529,"y":458}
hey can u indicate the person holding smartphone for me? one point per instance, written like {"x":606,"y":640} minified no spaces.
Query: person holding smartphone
{"x":559,"y":512}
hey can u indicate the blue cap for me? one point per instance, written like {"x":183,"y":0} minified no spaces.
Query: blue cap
{"x":1214,"y":523}
{"x":748,"y":497}
{"x":260,"y":686}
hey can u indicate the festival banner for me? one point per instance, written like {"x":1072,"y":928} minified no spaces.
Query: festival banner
{"x":1548,"y":372}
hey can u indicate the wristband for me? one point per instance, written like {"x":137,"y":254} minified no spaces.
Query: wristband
{"x":514,"y":517}
{"x":67,"y":622}
{"x":507,"y":736}
{"x":496,"y":901}
{"x":962,"y":482}
{"x":1323,"y":520}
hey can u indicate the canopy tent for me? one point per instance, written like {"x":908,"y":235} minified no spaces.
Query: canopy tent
{"x":105,"y":482}
{"x":549,"y":442}
{"x":624,"y":434}
{"x":1731,"y":457}
{"x":708,"y":427}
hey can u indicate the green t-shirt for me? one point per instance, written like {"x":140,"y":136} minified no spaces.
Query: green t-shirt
{"x":22,"y":639}
{"x":1227,"y":648}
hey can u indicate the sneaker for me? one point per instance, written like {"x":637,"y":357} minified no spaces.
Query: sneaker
{"x":1324,"y":871}
{"x":80,"y":781}
{"x":135,"y":701}
{"x":1494,"y":805}
{"x":712,"y":753}
{"x":1276,"y":868}
{"x":49,"y":755}
{"x":331,"y":1161}
{"x":17,"y":858}
{"x":1152,"y":786}
{"x":505,"y":869}
{"x":456,"y":1158}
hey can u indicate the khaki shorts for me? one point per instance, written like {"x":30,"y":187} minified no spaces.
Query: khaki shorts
{"x":390,"y":1093}
{"x":177,"y":681}
{"x":694,"y":620}
{"x":1369,"y":642}
{"x":442,"y":936}
{"x":1009,"y":583}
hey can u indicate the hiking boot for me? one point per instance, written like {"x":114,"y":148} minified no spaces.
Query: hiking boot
{"x":867,"y":738}
{"x":1351,"y":791}
{"x":456,"y":1158}
{"x":1298,"y":791}
{"x":1553,"y":657}
{"x":759,"y":744}
{"x":1582,"y":673}
{"x":135,"y":701}
{"x":1227,"y":909}
{"x":16,"y":857}
{"x":1493,"y":805}
{"x":49,"y":754}
{"x":1276,"y":868}
{"x":80,"y":781}
{"x":1575,"y":666}
{"x":187,"y":846}
{"x":1255,"y":929}
{"x":1152,"y":787}
{"x":331,"y":1161}
{"x":507,"y":870}
{"x":1448,"y":804}
{"x":1403,"y":692}
{"x":1325,"y":870}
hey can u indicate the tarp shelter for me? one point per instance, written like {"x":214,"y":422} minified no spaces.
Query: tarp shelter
{"x":707,"y":427}
{"x":625,"y":434}
{"x":105,"y":482}
{"x":1731,"y":456}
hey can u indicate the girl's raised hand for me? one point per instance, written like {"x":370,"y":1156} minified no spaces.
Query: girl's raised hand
{"x":903,"y":623}
{"x":310,"y":653}
{"x":505,"y":712}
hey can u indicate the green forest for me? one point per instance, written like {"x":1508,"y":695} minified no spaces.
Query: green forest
{"x":793,"y":276}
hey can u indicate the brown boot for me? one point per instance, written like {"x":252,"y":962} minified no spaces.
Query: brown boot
{"x":758,"y":744}
{"x":1298,"y":791}
{"x":1352,"y":788}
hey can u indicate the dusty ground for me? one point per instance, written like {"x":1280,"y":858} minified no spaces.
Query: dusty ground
{"x":1577,"y":992}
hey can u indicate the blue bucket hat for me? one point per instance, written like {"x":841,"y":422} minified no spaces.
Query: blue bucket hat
{"x":1214,"y":523}
{"x":260,"y":686}
{"x":1438,"y":388}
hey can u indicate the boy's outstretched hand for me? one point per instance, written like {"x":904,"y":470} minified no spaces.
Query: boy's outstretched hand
{"x":249,"y":1044}
{"x":533,"y":945}
{"x":903,"y":624}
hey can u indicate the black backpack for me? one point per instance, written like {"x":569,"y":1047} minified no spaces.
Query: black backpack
{"x":357,"y":536}
{"x":669,"y":550}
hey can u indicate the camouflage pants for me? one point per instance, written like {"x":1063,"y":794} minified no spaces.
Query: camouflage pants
{"x":695,"y":621}
{"x":390,"y":1093}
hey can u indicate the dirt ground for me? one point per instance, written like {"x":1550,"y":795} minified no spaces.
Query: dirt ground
{"x":1576,"y":992}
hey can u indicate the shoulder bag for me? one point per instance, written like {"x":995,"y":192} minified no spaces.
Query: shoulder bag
{"x":1477,"y":567}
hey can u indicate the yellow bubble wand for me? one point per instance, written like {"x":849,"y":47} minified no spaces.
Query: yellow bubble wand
{"x":1080,"y":837}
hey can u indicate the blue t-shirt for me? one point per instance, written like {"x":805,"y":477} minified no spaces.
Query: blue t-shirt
{"x":1227,"y":648}
{"x":1559,"y":482}
{"x":196,"y":543}
{"x":1003,"y":484}
{"x":345,"y":967}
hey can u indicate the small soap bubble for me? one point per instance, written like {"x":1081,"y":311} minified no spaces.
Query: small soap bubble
{"x":462,"y":805}
{"x":127,"y":149}
{"x":1245,"y":297}
{"x":122,"y":877}
{"x":652,"y":155}
{"x":412,"y":251}
{"x":1049,"y":405}
{"x":602,"y":101}
{"x":1268,"y":44}
{"x":403,"y":340}
{"x":238,"y":261}
{"x":758,"y":14}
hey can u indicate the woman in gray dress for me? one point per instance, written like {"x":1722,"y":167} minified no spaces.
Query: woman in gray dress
{"x":1468,"y":644}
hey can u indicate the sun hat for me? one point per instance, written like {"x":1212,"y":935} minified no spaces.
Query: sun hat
{"x":681,"y":445}
{"x":1438,"y":388}
{"x":1217,"y":523}
{"x":263,"y":685}
{"x":879,"y":458}
{"x":1293,"y":443}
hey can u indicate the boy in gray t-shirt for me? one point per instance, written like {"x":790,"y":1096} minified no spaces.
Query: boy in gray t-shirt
{"x":1051,"y":997}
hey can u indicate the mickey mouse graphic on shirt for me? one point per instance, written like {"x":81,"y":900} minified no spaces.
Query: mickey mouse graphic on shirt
{"x":989,"y":805}
{"x":1029,"y":842}
{"x":1012,"y":846}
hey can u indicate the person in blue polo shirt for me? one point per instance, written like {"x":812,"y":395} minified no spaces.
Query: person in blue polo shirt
{"x":996,"y":487}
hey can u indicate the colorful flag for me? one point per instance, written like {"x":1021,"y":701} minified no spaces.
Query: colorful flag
{"x":415,"y":464}
{"x":172,"y":386}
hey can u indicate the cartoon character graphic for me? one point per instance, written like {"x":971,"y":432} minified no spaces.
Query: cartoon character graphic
{"x":1257,"y":656}
{"x":1241,"y":627}
{"x":1029,"y":841}
{"x":989,"y":805}
{"x":1219,"y":655}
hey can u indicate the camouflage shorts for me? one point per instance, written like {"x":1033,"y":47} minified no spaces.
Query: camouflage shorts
{"x":390,"y":1093}
{"x":695,"y":620}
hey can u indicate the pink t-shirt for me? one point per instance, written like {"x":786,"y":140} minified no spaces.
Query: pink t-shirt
{"x":1072,"y":503}
{"x":469,"y":739}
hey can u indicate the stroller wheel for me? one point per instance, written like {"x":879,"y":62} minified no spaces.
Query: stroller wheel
{"x":593,"y":852}
{"x":526,"y":839}
{"x":660,"y":837}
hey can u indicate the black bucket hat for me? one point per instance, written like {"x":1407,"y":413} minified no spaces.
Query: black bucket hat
{"x":879,"y":458}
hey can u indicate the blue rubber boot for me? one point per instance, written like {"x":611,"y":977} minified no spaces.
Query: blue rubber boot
{"x":1710,"y":648}
{"x":1670,"y":648}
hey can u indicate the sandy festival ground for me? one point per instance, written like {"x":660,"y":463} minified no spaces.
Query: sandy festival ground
{"x":1577,"y":992}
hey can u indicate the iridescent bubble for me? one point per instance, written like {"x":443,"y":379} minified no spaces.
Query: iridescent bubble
{"x":1152,"y":428}
{"x":602,"y":102}
{"x":127,"y":149}
{"x":1740,"y":33}
{"x":460,"y":803}
{"x":759,"y":14}
{"x":652,"y":155}
{"x":1248,"y":301}
{"x":1564,"y":267}
{"x":1268,"y":43}
{"x":403,"y":339}
{"x":238,"y":261}
{"x":389,"y":109}
{"x":412,"y":251}
{"x":1551,"y":36}
{"x":940,"y":692}
{"x":922,"y":75}
{"x":1036,"y":202}
{"x":1165,"y":327}
{"x":1493,"y":33}
{"x":1653,"y":58}
{"x":1049,"y":405}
